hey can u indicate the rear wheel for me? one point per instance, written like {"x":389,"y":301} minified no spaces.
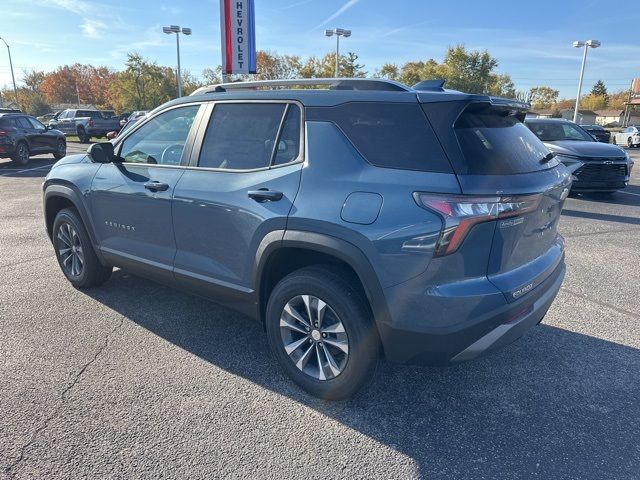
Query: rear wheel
{"x":629,"y":143}
{"x":21,"y":154}
{"x":74,"y":251}
{"x":61,"y":150}
{"x":82,"y":135}
{"x":321,"y":332}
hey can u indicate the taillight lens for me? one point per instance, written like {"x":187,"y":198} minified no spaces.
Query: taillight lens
{"x":461,"y":212}
{"x":5,"y":131}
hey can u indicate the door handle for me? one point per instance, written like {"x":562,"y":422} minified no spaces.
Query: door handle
{"x":264,"y":195}
{"x":156,"y":186}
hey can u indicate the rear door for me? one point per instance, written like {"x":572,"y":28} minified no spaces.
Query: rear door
{"x":496,"y":155}
{"x":131,"y":199}
{"x":245,"y":176}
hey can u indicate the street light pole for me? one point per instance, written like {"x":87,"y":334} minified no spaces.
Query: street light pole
{"x":338,"y":32}
{"x":588,"y":44}
{"x":15,"y":90}
{"x":177,"y":30}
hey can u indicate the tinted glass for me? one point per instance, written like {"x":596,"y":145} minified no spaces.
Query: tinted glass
{"x":289,"y":140}
{"x":495,"y":143}
{"x":24,"y":123}
{"x":35,"y":123}
{"x":240,"y":136}
{"x":555,"y":131}
{"x":161,"y":140}
{"x":392,"y":135}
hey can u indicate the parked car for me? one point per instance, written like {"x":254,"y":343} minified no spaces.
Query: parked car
{"x":630,"y":136}
{"x":46,"y":118}
{"x":366,"y":218}
{"x":133,"y":116}
{"x":84,"y":123}
{"x":598,"y":132}
{"x":127,"y":126}
{"x":605,"y":167}
{"x":22,"y":136}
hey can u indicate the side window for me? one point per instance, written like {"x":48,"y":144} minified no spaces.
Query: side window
{"x":24,"y":123}
{"x":289,"y":139}
{"x":35,"y":123}
{"x":241,"y":136}
{"x":161,"y":140}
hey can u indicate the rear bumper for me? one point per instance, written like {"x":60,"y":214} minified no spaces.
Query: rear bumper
{"x":491,"y":324}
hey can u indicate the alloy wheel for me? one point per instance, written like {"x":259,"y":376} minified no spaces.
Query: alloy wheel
{"x":70,"y":250}
{"x":62,"y":148}
{"x":23,"y":153}
{"x":314,"y":337}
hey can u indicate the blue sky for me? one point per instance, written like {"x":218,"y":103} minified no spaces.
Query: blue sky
{"x":532,"y":40}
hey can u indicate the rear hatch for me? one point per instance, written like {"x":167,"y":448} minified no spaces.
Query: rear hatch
{"x":500,"y":162}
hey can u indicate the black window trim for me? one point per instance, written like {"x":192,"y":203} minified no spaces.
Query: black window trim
{"x":204,"y":124}
{"x":188,"y":144}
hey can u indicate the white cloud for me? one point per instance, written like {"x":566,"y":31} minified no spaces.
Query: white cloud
{"x":93,"y":28}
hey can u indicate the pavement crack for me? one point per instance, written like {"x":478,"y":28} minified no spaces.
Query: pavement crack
{"x":601,"y":303}
{"x":63,"y":398}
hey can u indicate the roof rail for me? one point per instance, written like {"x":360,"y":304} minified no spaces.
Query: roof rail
{"x":333,"y":83}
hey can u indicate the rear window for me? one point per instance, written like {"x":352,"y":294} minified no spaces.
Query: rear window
{"x":392,"y":135}
{"x":493,"y":142}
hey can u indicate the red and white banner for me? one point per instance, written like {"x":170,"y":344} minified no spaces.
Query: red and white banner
{"x":237,"y":26}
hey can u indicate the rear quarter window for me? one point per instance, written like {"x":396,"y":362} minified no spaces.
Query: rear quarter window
{"x":391,"y":135}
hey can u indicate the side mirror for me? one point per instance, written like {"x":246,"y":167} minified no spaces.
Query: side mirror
{"x":101,"y":152}
{"x":47,"y":128}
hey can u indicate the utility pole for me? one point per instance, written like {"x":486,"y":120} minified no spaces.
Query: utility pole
{"x":15,"y":90}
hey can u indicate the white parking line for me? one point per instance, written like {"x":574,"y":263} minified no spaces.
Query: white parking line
{"x":629,"y":193}
{"x":24,"y":170}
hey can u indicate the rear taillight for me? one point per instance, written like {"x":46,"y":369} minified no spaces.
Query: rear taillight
{"x":4,"y":132}
{"x":460,"y":212}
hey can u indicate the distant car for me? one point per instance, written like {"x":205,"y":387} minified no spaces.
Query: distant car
{"x":135,"y":115}
{"x":84,"y":123}
{"x":605,"y":167}
{"x":116,"y":133}
{"x":630,"y":136}
{"x":599,"y":132}
{"x":22,"y":136}
{"x":46,"y":117}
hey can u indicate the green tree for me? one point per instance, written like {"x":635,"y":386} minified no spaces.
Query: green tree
{"x":599,"y":89}
{"x":33,"y":79}
{"x":593,"y":102}
{"x":325,"y":67}
{"x":143,"y":85}
{"x":349,"y":66}
{"x":389,"y":71}
{"x":543,"y":97}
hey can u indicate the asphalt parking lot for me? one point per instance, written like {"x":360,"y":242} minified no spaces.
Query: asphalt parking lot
{"x":133,"y":380}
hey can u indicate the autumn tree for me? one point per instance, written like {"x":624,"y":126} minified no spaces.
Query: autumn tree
{"x":543,"y":97}
{"x":325,"y":67}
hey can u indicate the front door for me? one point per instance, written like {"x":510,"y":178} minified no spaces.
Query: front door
{"x":246,"y":176}
{"x":131,"y":199}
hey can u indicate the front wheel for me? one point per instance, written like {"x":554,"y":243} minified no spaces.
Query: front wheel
{"x":74,"y":251}
{"x":322,"y":333}
{"x":61,"y":150}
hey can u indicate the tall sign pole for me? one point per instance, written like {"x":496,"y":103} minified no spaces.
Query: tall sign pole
{"x":238,"y":37}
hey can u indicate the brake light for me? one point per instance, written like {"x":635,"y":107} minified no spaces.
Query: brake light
{"x":460,"y":213}
{"x":4,"y":132}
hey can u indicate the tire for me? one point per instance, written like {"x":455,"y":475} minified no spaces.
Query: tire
{"x":21,"y":154}
{"x":69,"y":233}
{"x":629,"y":143}
{"x":82,"y":135}
{"x":61,"y":149}
{"x":354,"y":325}
{"x":613,"y":140}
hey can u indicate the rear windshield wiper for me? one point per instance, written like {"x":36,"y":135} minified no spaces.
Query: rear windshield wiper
{"x":548,"y":157}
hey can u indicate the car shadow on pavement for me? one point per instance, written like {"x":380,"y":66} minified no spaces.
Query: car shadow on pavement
{"x":555,"y":404}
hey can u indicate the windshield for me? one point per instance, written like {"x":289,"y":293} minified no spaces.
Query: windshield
{"x":555,"y":131}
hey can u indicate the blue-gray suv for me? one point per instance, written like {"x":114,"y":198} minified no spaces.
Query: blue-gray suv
{"x":359,"y":220}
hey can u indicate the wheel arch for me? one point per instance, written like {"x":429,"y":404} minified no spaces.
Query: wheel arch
{"x":57,"y":197}
{"x":292,"y":250}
